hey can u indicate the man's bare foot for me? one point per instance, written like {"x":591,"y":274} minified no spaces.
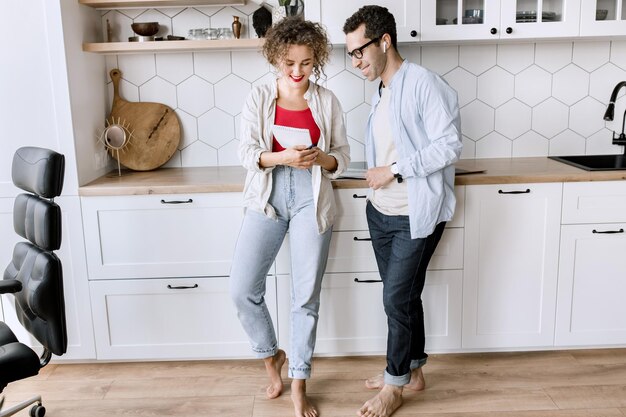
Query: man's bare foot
{"x":417,"y":382}
{"x":273,"y":366}
{"x":301,"y":404}
{"x":384,"y":404}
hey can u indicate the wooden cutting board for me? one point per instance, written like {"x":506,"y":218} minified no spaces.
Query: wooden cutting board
{"x":154,"y":126}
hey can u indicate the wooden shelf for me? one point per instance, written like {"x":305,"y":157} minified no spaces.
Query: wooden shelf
{"x":114,"y":48}
{"x":149,"y":4}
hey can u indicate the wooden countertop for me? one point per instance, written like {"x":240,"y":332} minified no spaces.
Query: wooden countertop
{"x":231,"y":179}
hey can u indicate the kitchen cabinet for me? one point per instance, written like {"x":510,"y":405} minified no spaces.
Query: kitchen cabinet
{"x":496,"y":19}
{"x":352,"y":319}
{"x":603,"y":18}
{"x":333,"y":14}
{"x":590,"y":306}
{"x":510,"y":266}
{"x":182,"y":318}
{"x":158,"y":236}
{"x":75,"y":284}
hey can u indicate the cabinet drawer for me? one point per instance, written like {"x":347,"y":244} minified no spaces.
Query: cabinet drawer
{"x":161,"y":235}
{"x":352,"y":319}
{"x":169,"y":319}
{"x":594,"y":202}
{"x":353,"y":252}
{"x":351,"y":209}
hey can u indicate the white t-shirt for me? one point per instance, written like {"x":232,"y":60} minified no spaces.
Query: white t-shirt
{"x":391,"y":199}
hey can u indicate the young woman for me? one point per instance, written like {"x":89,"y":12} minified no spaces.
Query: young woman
{"x":288,"y":188}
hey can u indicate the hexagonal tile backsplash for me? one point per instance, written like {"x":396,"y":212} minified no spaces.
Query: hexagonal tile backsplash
{"x":517,"y":100}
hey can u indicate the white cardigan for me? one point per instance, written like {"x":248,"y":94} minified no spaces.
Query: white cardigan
{"x":257,"y":120}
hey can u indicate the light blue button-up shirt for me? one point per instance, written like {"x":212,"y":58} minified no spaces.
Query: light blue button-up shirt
{"x":426,"y":128}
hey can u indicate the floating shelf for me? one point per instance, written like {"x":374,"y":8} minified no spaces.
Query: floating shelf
{"x":149,"y":4}
{"x":114,"y":48}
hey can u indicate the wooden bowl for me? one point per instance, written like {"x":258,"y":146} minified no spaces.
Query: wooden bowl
{"x":145,"y":28}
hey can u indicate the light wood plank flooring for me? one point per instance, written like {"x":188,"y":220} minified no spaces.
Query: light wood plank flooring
{"x":573,"y":383}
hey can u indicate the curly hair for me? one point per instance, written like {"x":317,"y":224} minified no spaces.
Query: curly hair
{"x":378,"y":21}
{"x":294,"y":30}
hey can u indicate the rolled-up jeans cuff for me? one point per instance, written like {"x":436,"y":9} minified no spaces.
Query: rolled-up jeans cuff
{"x":299,"y":373}
{"x":418,"y":363}
{"x":262,"y":354}
{"x":397,"y":380}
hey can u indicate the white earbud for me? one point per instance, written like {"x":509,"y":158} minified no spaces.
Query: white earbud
{"x":384,"y":47}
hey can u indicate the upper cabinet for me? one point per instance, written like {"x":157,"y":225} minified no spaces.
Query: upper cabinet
{"x":333,"y":14}
{"x":603,"y":18}
{"x":496,"y":19}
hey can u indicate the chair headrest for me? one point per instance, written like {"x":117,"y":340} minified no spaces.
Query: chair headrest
{"x":40,"y":306}
{"x":39,"y":171}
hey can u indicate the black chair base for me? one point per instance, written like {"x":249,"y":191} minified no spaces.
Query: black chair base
{"x":38,"y":410}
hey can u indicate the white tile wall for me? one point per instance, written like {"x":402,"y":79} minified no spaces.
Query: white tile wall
{"x":517,"y":100}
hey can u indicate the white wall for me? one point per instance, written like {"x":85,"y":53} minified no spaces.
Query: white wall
{"x":517,"y":100}
{"x":28,"y":114}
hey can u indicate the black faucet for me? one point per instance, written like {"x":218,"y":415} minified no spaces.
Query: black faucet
{"x":609,"y":114}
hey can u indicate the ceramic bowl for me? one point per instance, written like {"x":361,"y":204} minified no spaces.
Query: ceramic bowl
{"x":145,"y":28}
{"x":601,"y":14}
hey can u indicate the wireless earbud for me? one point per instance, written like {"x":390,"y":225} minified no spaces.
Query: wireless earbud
{"x":384,"y":47}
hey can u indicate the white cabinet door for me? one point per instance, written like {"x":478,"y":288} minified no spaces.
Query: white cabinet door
{"x":76,"y":290}
{"x":352,"y":319}
{"x":445,"y":20}
{"x":603,"y":18}
{"x":592,"y":284}
{"x":523,"y":19}
{"x":333,"y":14}
{"x":510,"y":265}
{"x":155,"y":236}
{"x":495,"y":19}
{"x":185,"y":318}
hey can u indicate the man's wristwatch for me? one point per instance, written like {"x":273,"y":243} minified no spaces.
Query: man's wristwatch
{"x":395,"y":172}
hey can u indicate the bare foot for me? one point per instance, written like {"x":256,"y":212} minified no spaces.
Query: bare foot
{"x":417,"y":382}
{"x":301,"y":404}
{"x":273,"y":366}
{"x":384,"y":404}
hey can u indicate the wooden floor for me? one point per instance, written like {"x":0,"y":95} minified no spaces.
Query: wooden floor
{"x":575,"y":383}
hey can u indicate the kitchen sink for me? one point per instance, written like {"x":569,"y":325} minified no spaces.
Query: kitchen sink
{"x":594,"y":162}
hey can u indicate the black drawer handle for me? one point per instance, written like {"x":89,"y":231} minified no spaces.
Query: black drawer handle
{"x":367,"y":281}
{"x":358,"y":196}
{"x":608,"y":232}
{"x":177,"y":201}
{"x":362,"y":239}
{"x":527,"y":191}
{"x":182,"y":287}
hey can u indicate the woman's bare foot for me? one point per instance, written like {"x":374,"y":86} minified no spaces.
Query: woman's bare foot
{"x":417,"y":382}
{"x":273,"y":366}
{"x":301,"y":404}
{"x":384,"y":404}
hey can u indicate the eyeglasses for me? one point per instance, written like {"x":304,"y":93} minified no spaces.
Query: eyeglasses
{"x":358,"y":52}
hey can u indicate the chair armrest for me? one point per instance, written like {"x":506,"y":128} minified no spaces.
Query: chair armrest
{"x":10,"y":286}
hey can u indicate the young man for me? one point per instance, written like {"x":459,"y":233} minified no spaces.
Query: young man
{"x":413,"y":137}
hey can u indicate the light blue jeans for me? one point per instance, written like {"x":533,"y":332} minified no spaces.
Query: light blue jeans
{"x":259,"y":240}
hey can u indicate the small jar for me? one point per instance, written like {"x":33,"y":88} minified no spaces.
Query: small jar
{"x":196,"y":34}
{"x":212,"y":33}
{"x":225,"y":33}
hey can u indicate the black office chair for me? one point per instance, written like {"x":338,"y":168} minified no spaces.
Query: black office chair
{"x":34,"y":276}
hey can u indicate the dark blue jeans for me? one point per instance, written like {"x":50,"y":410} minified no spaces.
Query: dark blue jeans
{"x":402,"y":264}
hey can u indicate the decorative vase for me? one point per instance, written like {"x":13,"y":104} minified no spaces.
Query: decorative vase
{"x":236,"y":27}
{"x":261,"y":21}
{"x":295,"y":8}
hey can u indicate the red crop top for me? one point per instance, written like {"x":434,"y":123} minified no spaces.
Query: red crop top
{"x":302,"y":119}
